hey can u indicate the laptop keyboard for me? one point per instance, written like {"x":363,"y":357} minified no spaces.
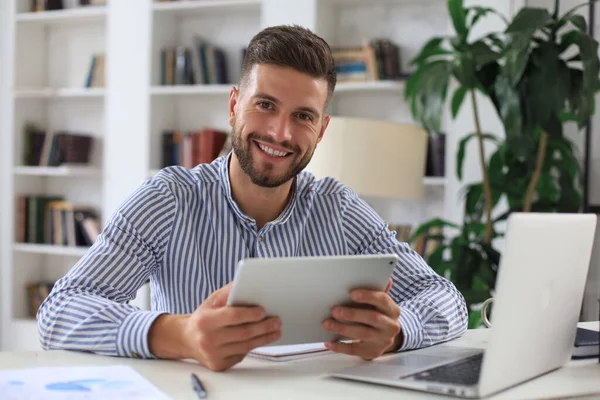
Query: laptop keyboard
{"x":461,"y":372}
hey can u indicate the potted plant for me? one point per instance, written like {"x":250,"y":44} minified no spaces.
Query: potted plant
{"x":539,"y":73}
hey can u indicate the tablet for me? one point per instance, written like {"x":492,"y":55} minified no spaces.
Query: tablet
{"x":302,"y":291}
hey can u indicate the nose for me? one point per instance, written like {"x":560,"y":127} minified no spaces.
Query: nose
{"x":281,"y":129}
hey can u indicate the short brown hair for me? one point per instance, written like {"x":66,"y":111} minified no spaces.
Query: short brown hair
{"x":291,"y":46}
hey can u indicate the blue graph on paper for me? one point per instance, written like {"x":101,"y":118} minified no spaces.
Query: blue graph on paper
{"x":72,"y":383}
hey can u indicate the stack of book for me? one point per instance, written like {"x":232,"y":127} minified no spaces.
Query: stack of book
{"x":202,"y":64}
{"x":42,"y":148}
{"x":192,"y":148}
{"x":52,"y":220}
{"x":377,"y":59}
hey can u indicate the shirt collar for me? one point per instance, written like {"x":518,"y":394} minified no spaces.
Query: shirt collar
{"x":226,"y":184}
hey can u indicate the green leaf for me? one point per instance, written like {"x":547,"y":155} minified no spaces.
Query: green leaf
{"x":510,"y":112}
{"x":516,"y":56}
{"x":520,"y":33}
{"x":431,"y":48}
{"x":475,"y":319}
{"x":433,"y":95}
{"x":459,"y":17}
{"x":482,"y":12}
{"x":482,"y":53}
{"x":529,"y":20}
{"x":578,"y":21}
{"x":435,"y":259}
{"x":574,"y":9}
{"x":568,"y":39}
{"x":460,"y":155}
{"x":462,"y":148}
{"x":588,"y":48}
{"x":427,"y":88}
{"x":474,"y":199}
{"x":434,"y":223}
{"x":457,"y":100}
{"x":463,"y":68}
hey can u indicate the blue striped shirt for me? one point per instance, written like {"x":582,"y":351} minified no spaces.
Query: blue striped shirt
{"x":182,"y":231}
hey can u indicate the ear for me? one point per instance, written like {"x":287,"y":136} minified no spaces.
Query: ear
{"x":234,"y":95}
{"x":325,"y":124}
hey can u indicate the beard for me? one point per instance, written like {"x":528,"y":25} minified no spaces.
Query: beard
{"x":264,"y":175}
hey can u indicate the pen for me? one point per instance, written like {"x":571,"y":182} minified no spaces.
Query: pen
{"x":198,"y":387}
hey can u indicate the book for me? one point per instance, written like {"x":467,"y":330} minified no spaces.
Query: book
{"x":289,"y":352}
{"x":587,"y":344}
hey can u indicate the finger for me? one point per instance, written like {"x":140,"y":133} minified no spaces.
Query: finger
{"x":222,"y":364}
{"x":364,"y":350}
{"x":380,"y":300}
{"x":243,"y":348}
{"x":218,"y":298}
{"x":245,"y":332}
{"x":354,"y":331}
{"x":389,"y":285}
{"x":232,"y":316}
{"x":371,"y":318}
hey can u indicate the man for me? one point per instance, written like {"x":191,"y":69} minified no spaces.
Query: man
{"x":185,"y":230}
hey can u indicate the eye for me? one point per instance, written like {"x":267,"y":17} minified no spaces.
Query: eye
{"x":305,"y":117}
{"x":265,"y":105}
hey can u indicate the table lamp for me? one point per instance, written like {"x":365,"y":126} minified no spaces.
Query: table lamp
{"x":377,"y":159}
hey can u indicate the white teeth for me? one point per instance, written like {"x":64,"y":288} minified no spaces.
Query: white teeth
{"x":271,"y":152}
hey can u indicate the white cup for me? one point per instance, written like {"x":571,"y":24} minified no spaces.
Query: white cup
{"x":484,"y":308}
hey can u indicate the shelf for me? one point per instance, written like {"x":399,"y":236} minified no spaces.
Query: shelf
{"x":369,"y":86}
{"x":183,"y":8}
{"x":434,"y":181}
{"x":72,"y":15}
{"x":47,"y":93}
{"x":191,"y":90}
{"x":50,"y":249}
{"x":62,"y":171}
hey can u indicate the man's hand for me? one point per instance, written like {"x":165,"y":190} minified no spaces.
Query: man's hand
{"x":375,"y":331}
{"x":215,"y":335}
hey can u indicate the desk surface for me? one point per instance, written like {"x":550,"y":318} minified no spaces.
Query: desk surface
{"x":305,"y":379}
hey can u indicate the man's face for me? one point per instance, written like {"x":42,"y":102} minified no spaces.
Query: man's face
{"x":277,"y":119}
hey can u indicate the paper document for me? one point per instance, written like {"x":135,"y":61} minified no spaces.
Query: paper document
{"x":77,"y":383}
{"x":289,"y":352}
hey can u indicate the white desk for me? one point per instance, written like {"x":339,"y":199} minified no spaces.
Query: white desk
{"x":304,"y":379}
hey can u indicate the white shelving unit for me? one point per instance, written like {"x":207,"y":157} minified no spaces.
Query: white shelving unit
{"x":52,"y":51}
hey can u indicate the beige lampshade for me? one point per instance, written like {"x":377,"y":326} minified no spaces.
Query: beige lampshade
{"x":375,"y":158}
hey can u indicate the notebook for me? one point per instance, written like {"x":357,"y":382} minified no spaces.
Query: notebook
{"x":586,"y":344}
{"x":289,"y":352}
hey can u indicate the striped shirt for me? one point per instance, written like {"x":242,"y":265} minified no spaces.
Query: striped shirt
{"x":182,"y":231}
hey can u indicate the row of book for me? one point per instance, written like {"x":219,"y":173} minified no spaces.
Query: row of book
{"x":376,"y":59}
{"x":201,"y":64}
{"x":191,"y":148}
{"x":47,"y":5}
{"x":96,"y":72}
{"x":52,"y":220}
{"x":43,"y":148}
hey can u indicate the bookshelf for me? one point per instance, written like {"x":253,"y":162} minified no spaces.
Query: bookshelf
{"x":52,"y":50}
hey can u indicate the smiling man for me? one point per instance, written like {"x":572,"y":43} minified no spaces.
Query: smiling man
{"x":185,"y":231}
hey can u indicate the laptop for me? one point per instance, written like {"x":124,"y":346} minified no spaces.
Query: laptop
{"x":539,"y":291}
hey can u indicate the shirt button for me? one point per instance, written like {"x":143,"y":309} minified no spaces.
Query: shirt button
{"x":260,"y":239}
{"x":135,"y":355}
{"x":248,"y":220}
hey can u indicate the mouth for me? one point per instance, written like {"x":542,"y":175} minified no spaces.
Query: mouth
{"x":272,"y":151}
